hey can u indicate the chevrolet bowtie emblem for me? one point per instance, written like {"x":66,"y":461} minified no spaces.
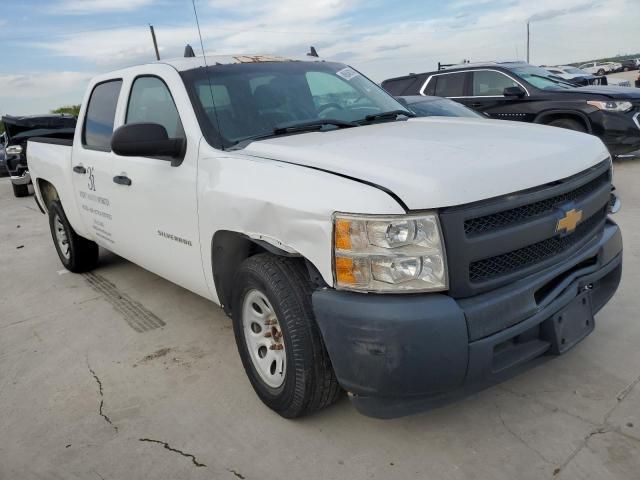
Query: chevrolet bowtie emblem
{"x":570,"y":221}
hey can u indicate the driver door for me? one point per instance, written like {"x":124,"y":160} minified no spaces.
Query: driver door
{"x":155,"y":204}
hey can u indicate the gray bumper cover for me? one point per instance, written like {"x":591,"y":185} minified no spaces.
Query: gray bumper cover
{"x":399,"y":354}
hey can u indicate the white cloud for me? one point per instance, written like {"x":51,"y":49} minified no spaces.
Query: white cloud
{"x":40,"y":92}
{"x":96,"y":6}
{"x":563,"y":33}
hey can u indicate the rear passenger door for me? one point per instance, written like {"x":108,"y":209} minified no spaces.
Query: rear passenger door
{"x":156,"y":213}
{"x":486,"y":96}
{"x":92,"y":162}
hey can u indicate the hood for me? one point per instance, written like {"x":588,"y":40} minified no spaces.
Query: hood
{"x":21,"y":128}
{"x":610,"y":91}
{"x":435,"y":162}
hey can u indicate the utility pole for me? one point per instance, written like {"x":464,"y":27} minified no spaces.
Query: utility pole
{"x":528,"y":41}
{"x":155,"y":44}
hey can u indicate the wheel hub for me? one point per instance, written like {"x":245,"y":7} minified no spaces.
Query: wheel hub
{"x":263,"y":337}
{"x":61,"y":237}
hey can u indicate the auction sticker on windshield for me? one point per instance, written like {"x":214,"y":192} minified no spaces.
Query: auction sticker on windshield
{"x":347,"y":73}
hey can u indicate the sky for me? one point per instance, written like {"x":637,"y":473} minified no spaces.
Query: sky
{"x":51,"y":48}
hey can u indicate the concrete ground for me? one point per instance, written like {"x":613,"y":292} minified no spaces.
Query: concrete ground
{"x":121,"y":375}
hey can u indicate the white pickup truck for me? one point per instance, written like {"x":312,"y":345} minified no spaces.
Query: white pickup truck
{"x":407,"y":261}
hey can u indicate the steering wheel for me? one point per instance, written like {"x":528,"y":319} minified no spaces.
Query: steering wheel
{"x":327,"y":106}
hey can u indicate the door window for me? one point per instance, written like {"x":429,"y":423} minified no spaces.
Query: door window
{"x":449,"y":85}
{"x":101,"y":112}
{"x":491,"y":84}
{"x":151,"y":102}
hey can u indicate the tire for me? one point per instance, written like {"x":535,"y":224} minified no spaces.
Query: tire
{"x":601,"y":72}
{"x":20,"y":190}
{"x":303,"y":370}
{"x":569,"y":124}
{"x":81,"y":255}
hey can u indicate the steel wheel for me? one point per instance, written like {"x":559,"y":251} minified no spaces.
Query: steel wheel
{"x":61,"y":237}
{"x":263,"y":336}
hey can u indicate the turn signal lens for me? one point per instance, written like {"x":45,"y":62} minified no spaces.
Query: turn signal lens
{"x":343,"y":234}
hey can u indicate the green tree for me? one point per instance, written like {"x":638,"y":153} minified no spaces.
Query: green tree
{"x":70,"y":109}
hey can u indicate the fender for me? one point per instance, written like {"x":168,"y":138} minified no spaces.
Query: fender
{"x":229,"y":249}
{"x":566,"y":112}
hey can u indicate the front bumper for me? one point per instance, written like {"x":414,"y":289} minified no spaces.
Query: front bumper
{"x":619,"y":131}
{"x":400,"y":354}
{"x":23,"y":179}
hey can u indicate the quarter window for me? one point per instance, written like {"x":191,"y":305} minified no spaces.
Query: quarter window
{"x":101,"y":112}
{"x":490,"y":84}
{"x":450,"y":84}
{"x":151,"y":102}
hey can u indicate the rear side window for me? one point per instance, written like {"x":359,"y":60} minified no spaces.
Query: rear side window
{"x":101,"y":112}
{"x":151,"y":102}
{"x":491,"y":84}
{"x":449,"y":85}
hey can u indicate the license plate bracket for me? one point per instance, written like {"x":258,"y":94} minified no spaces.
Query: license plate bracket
{"x":569,"y":326}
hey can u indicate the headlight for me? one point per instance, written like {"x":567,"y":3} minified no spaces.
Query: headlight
{"x":389,"y":254}
{"x":612,"y":105}
{"x":14,"y":150}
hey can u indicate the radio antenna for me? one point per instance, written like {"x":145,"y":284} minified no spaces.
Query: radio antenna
{"x":206,"y":67}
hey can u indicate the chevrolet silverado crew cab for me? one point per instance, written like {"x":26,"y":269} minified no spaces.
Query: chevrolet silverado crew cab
{"x":403,"y":260}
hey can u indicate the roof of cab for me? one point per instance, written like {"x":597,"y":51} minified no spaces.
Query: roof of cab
{"x":188,"y":63}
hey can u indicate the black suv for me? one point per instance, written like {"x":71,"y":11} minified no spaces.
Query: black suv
{"x":520,"y":91}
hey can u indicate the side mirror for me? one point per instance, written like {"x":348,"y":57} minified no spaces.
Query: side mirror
{"x":516,"y":91}
{"x":147,"y":140}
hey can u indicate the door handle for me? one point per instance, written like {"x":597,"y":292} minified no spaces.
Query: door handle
{"x":80,"y":169}
{"x":475,"y":105}
{"x":122,"y":180}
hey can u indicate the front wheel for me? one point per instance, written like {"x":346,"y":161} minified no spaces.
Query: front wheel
{"x":601,"y":72}
{"x":279,"y":342}
{"x":76,"y":253}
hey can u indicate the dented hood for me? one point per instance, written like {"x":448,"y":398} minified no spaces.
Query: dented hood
{"x":438,"y":162}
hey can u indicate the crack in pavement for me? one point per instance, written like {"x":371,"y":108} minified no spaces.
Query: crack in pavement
{"x":171,"y":449}
{"x":101,"y":408}
{"x":237,"y":474}
{"x":583,"y":443}
{"x":520,"y":439}
{"x":606,"y":427}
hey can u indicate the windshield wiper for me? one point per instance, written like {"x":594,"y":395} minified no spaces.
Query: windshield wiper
{"x":317,"y":124}
{"x":392,"y":115}
{"x":294,"y":127}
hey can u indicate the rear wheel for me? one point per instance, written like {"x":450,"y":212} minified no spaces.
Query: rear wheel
{"x":568,"y":123}
{"x":277,"y":337}
{"x":601,"y":72}
{"x":20,"y":190}
{"x":76,"y":253}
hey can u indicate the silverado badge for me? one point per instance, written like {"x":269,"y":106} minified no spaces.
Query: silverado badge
{"x":570,"y":221}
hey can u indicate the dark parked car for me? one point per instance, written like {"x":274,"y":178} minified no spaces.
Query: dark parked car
{"x":20,"y":129}
{"x":436,"y":107}
{"x":523,"y":92}
{"x":3,"y":156}
{"x":631,"y":64}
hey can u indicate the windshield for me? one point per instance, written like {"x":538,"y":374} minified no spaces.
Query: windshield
{"x":441,"y":107}
{"x":243,"y":101}
{"x":540,"y":78}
